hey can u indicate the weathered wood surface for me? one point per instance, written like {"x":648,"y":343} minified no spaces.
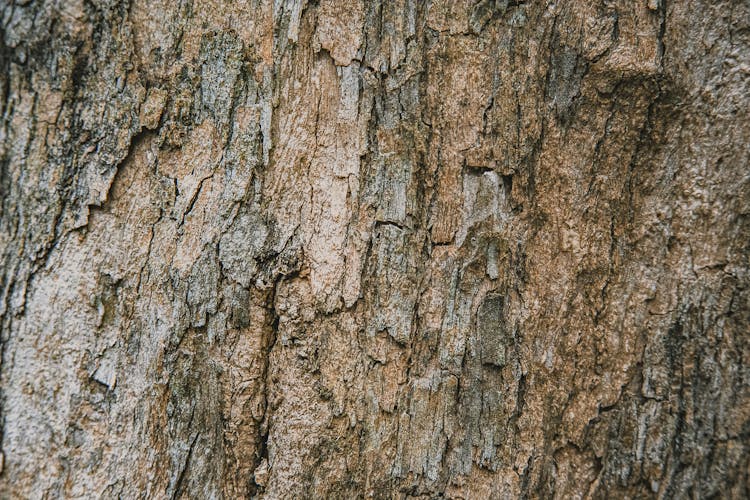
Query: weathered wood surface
{"x":396,"y":249}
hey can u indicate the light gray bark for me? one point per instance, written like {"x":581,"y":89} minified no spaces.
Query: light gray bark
{"x":477,"y":249}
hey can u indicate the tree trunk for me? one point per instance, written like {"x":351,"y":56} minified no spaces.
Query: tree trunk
{"x":469,"y":249}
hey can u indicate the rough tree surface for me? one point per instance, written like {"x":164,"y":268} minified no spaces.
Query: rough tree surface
{"x":469,"y":249}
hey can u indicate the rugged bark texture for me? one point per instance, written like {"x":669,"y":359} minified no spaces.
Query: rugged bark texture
{"x":472,"y":248}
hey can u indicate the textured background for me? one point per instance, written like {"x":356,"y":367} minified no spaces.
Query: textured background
{"x":395,"y":249}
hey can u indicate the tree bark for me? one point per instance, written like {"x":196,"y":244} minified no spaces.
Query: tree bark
{"x":469,"y":249}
